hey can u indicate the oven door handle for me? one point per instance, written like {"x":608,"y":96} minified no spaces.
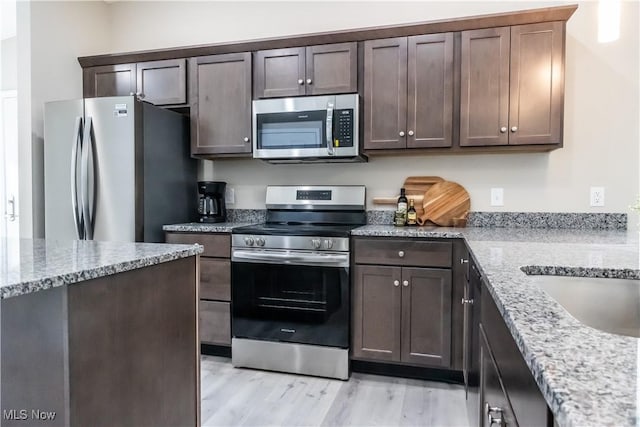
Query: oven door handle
{"x":332,"y":260}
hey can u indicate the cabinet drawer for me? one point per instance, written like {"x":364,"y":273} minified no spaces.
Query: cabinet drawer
{"x":215,"y":245}
{"x":403,"y":252}
{"x":215,"y":323}
{"x":215,"y":279}
{"x":528,"y":404}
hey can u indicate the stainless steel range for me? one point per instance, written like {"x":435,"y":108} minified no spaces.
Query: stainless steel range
{"x":290,"y":281}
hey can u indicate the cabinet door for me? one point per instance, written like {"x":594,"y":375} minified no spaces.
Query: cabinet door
{"x":494,"y":403}
{"x":537,"y":84}
{"x":430,"y":96}
{"x":109,"y":80}
{"x":220,"y":96}
{"x":280,"y":72}
{"x":332,"y":68}
{"x":376,"y":313}
{"x":426,"y":316}
{"x":385,"y":93}
{"x":163,"y":82}
{"x":484,"y":87}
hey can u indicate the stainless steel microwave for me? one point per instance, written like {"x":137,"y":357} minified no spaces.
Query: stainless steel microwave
{"x":307,"y":129}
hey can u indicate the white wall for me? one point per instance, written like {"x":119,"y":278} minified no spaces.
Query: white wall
{"x":601,"y":102}
{"x":9,"y":66}
{"x":54,"y":34}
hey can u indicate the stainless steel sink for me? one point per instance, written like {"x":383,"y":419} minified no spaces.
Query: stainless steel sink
{"x":611,"y":305}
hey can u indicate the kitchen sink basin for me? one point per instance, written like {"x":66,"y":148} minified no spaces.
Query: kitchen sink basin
{"x":611,"y":305}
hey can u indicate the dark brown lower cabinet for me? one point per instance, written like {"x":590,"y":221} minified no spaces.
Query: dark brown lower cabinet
{"x":496,"y":409}
{"x":402,"y":315}
{"x":215,"y":322}
{"x":215,"y":284}
{"x":505,"y":379}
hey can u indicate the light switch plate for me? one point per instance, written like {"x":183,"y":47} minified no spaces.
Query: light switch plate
{"x":497,"y":197}
{"x":230,"y":196}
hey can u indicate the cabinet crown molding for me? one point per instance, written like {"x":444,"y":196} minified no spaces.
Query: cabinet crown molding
{"x":530,"y":16}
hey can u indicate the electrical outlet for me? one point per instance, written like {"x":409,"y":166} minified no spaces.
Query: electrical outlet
{"x":230,"y":196}
{"x":497,"y":197}
{"x":597,"y":196}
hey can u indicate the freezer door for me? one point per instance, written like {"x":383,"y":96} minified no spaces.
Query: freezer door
{"x":62,"y":138}
{"x":109,"y":165}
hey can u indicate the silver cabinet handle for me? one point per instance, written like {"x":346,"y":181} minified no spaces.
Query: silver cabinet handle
{"x":464,"y":261}
{"x":503,"y":129}
{"x":467,"y":301}
{"x":496,"y":421}
{"x":405,"y":283}
{"x":410,"y":133}
{"x":309,"y":81}
{"x":514,"y":128}
{"x":401,"y":254}
{"x":300,"y":81}
{"x":396,"y":283}
{"x":401,"y":133}
{"x":246,"y":139}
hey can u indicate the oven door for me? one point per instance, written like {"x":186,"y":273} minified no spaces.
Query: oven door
{"x":291,"y":296}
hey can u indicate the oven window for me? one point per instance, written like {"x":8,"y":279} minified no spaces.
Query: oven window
{"x":291,"y":303}
{"x":291,"y":130}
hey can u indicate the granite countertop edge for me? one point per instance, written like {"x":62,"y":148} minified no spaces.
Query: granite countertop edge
{"x":102,"y":270}
{"x":204,"y":227}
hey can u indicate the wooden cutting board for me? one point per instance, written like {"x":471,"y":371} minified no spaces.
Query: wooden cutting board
{"x":445,"y":201}
{"x":415,"y":187}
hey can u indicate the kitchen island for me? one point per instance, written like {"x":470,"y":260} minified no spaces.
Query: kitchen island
{"x":97,"y":333}
{"x":587,"y":377}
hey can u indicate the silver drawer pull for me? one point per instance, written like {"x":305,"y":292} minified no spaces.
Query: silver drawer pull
{"x":396,"y":283}
{"x":401,"y":254}
{"x":405,"y":283}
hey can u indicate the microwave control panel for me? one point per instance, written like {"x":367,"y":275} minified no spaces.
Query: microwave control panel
{"x":343,"y":128}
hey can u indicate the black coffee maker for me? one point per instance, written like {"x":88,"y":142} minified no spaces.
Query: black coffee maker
{"x":211,"y":206}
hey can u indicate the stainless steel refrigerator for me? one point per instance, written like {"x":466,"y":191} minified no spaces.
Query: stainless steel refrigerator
{"x":116,"y":169}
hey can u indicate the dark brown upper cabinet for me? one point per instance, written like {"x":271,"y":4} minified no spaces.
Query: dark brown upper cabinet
{"x":109,"y":80}
{"x":311,"y":70}
{"x":157,"y":82}
{"x":163,"y":82}
{"x":220,"y":99}
{"x":512,"y":85}
{"x":408,"y":92}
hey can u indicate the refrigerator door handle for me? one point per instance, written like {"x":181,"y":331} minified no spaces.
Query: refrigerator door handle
{"x":87,"y":179}
{"x":75,"y":145}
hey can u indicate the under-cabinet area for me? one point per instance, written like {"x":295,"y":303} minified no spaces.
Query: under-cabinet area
{"x":491,"y":83}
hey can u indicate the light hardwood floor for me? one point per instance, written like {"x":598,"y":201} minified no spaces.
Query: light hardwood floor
{"x":232,"y":397}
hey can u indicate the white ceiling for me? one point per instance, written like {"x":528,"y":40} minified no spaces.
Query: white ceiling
{"x":8,"y":15}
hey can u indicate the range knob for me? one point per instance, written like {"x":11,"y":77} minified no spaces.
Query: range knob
{"x":316,"y":243}
{"x":328,"y":244}
{"x":248,"y":241}
{"x":260,"y":241}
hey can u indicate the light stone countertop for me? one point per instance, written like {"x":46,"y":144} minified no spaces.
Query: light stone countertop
{"x":205,"y":227}
{"x":32,"y":265}
{"x":588,"y":377}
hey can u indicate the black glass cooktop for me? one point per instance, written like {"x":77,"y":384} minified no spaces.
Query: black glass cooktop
{"x":277,"y":229}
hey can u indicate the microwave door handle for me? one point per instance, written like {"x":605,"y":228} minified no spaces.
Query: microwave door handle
{"x":329,"y":130}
